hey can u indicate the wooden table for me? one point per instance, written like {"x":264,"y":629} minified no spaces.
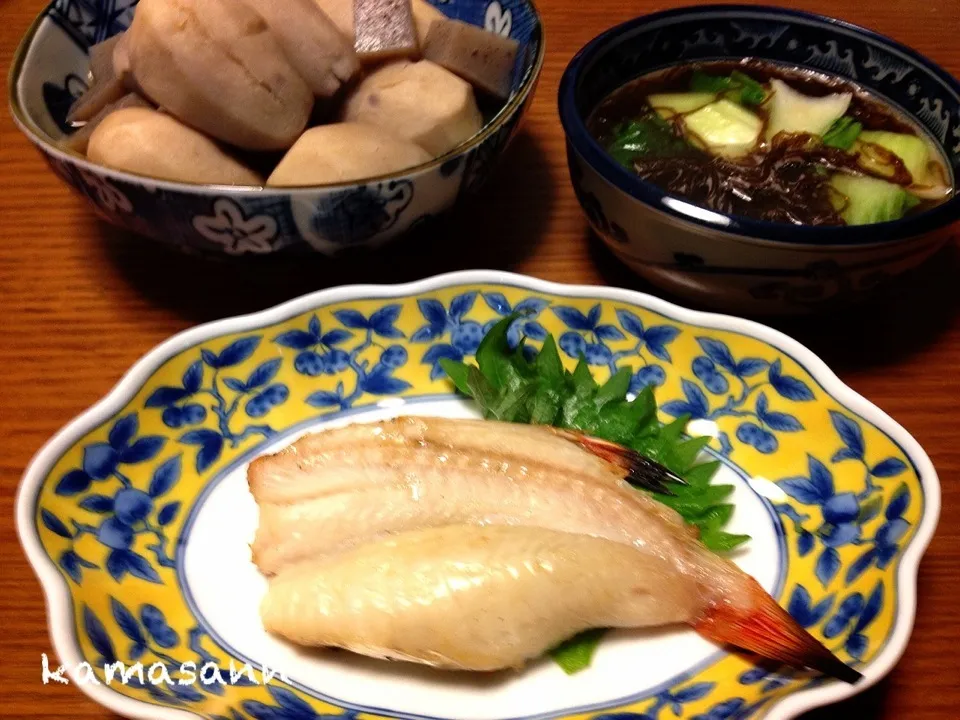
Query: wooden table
{"x":80,"y":302}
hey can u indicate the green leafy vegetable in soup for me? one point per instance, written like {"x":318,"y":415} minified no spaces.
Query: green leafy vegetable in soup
{"x":647,"y":136}
{"x":766,"y":141}
{"x":737,"y":86}
{"x":510,"y":387}
{"x":842,"y":133}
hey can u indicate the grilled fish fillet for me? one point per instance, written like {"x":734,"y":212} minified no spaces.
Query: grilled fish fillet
{"x":462,"y":489}
{"x":474,"y":598}
{"x":333,"y":490}
{"x":479,"y":598}
{"x":316,"y":463}
{"x":364,"y":494}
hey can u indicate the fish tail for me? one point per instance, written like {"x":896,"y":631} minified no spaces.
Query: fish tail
{"x":638,"y":470}
{"x":768,"y":630}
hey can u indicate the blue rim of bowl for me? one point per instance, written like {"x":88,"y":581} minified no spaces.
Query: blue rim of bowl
{"x":574,"y":126}
{"x":48,"y":146}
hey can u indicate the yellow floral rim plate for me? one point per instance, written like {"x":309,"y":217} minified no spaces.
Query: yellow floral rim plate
{"x":137,"y":519}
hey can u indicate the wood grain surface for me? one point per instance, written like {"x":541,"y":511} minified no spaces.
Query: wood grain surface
{"x":80,"y":302}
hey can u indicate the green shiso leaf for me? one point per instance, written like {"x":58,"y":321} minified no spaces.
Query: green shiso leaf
{"x":508,"y":386}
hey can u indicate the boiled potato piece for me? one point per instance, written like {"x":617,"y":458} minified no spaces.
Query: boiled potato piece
{"x":154,"y":144}
{"x":312,"y":43}
{"x":483,"y":58}
{"x":215,"y":65}
{"x":384,"y":29}
{"x":344,"y":152}
{"x":341,"y":13}
{"x":420,"y":102}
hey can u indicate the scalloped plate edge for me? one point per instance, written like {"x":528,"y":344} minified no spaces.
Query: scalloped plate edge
{"x":59,"y":612}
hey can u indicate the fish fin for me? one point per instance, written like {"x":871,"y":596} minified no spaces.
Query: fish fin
{"x":768,"y":630}
{"x":639,"y":470}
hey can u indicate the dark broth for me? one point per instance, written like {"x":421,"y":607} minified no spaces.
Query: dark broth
{"x":783,"y":180}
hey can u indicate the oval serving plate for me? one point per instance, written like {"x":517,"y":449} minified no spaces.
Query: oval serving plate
{"x":137,"y":519}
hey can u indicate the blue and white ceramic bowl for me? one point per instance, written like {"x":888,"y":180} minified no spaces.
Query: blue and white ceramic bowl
{"x":730,"y":261}
{"x":49,"y":72}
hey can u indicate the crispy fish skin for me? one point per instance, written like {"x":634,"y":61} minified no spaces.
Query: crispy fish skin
{"x":474,"y":598}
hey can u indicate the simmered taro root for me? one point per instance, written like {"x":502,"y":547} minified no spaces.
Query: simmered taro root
{"x":80,"y":138}
{"x":420,"y":102}
{"x":384,"y":29}
{"x":312,"y":43}
{"x":215,"y":65}
{"x":193,"y":81}
{"x":483,"y":58}
{"x":344,"y":152}
{"x":152,"y":143}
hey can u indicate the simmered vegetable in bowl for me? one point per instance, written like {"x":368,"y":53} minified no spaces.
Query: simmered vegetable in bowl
{"x":774,"y":143}
{"x":241,"y":83}
{"x":759,"y":159}
{"x":191,"y":150}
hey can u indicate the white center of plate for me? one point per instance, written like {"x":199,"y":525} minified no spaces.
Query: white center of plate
{"x":226,"y":589}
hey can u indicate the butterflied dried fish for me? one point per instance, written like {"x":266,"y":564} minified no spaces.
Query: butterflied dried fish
{"x":333,"y":490}
{"x":485,"y":598}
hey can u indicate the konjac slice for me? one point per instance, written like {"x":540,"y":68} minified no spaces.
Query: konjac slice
{"x":341,"y":13}
{"x":482,"y":58}
{"x":101,"y":94}
{"x":101,"y":58}
{"x":106,"y":87}
{"x":384,"y":29}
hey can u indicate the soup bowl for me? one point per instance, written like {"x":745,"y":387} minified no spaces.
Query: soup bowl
{"x":50,"y":71}
{"x":732,"y":262}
